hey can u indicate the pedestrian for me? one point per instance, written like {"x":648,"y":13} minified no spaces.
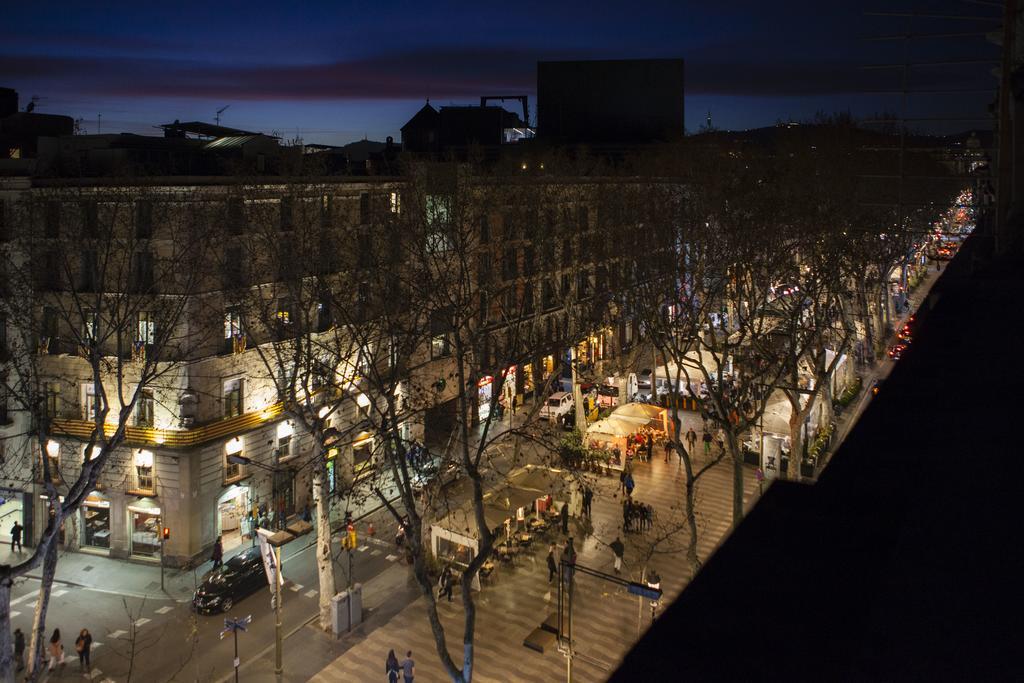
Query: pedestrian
{"x":307,"y":515}
{"x":707,"y":442}
{"x":668,"y":448}
{"x":16,"y":536}
{"x":622,"y":480}
{"x":720,"y":441}
{"x":704,"y":419}
{"x":588,"y":498}
{"x":391,"y":667}
{"x":408,"y":667}
{"x":446,"y":583}
{"x":650,"y":446}
{"x":552,"y":564}
{"x":56,"y":650}
{"x":627,"y":514}
{"x":618,"y":549}
{"x":19,"y":649}
{"x":630,"y":484}
{"x":218,"y":553}
{"x":569,"y":557}
{"x":648,"y":515}
{"x":564,"y":516}
{"x":691,"y":439}
{"x":82,"y":646}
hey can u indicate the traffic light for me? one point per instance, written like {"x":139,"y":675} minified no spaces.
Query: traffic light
{"x":167,"y":533}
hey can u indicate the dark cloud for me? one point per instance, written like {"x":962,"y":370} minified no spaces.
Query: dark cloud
{"x":445,"y":73}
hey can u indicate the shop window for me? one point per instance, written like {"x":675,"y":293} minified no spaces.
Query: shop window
{"x":144,"y":471}
{"x":144,"y":408}
{"x":145,"y":530}
{"x":96,"y":522}
{"x":233,"y":399}
{"x":233,"y":468}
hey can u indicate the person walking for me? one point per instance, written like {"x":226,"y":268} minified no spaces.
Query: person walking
{"x":650,"y":446}
{"x":563,"y":515}
{"x":707,"y":442}
{"x":392,"y":667}
{"x":622,"y":480}
{"x":618,"y":549}
{"x":588,"y":498}
{"x":19,"y":649}
{"x":218,"y":553}
{"x":668,"y":448}
{"x":56,"y":650}
{"x":691,"y":439}
{"x":82,"y":646}
{"x":16,"y":536}
{"x":630,"y":485}
{"x":627,"y":514}
{"x":446,"y":583}
{"x":552,"y":564}
{"x":408,"y":667}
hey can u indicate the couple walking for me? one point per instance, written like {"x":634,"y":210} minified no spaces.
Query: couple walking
{"x":406,"y":668}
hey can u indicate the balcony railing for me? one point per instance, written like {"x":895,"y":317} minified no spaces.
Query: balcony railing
{"x":173,"y":438}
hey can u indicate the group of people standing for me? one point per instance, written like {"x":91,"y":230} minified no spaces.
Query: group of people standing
{"x":568,"y":555}
{"x":55,"y":650}
{"x":636,"y":515}
{"x":406,"y":668}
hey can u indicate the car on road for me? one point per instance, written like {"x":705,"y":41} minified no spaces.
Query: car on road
{"x":237,"y":578}
{"x":557,"y":405}
{"x":896,"y":350}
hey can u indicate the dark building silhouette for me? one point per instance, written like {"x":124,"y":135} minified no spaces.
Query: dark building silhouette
{"x":20,"y":130}
{"x":629,"y":101}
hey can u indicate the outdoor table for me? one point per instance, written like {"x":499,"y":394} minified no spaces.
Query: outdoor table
{"x":524,"y":539}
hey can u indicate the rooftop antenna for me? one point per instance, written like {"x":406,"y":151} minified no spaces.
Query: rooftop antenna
{"x":99,"y":123}
{"x":216,"y":118}
{"x":709,"y":119}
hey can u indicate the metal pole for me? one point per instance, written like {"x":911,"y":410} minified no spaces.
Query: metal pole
{"x":278,"y":666}
{"x":568,"y":666}
{"x":161,"y":555}
{"x":349,"y":589}
{"x":235,"y":632}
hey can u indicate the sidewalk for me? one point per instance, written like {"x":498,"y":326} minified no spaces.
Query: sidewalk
{"x":518,"y":598}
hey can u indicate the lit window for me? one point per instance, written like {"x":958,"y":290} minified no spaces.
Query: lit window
{"x":143,"y":470}
{"x":284,"y":440}
{"x":233,"y":470}
{"x":146,"y":333}
{"x":232,"y":393}
{"x":396,"y":203}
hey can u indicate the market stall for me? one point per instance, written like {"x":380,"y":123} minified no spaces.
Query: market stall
{"x":611,"y":436}
{"x":645,"y":415}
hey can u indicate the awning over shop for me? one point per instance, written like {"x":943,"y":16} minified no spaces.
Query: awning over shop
{"x":611,"y":428}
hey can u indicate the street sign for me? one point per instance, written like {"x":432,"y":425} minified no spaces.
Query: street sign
{"x":644,"y":591}
{"x":236,"y":625}
{"x":269,"y":559}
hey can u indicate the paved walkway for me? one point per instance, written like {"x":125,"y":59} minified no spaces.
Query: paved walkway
{"x":606,"y":620}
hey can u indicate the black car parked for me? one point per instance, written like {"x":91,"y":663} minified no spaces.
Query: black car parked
{"x":240,"y":576}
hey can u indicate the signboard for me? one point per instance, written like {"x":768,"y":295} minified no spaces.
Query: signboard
{"x":269,"y":559}
{"x":771,"y":457}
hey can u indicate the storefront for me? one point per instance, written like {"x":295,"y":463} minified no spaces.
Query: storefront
{"x":485,"y":392}
{"x":144,"y":529}
{"x":13,"y":509}
{"x":96,"y":522}
{"x":232,"y":515}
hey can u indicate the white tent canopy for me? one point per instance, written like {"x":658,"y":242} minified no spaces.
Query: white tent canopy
{"x":612,"y":427}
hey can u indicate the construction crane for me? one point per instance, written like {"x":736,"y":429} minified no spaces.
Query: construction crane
{"x":216,"y":118}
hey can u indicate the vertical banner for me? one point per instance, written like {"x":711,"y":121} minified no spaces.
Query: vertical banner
{"x":269,"y":559}
{"x":771,"y":457}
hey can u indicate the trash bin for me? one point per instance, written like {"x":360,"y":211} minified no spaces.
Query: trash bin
{"x":347,"y":605}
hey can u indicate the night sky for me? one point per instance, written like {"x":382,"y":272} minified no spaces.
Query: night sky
{"x":334,"y":72}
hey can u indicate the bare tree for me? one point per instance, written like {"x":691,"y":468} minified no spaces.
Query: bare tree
{"x":97,"y":287}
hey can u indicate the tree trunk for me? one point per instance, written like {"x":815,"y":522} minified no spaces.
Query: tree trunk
{"x":6,"y":641}
{"x":324,"y":565}
{"x":796,"y":440}
{"x":39,"y":640}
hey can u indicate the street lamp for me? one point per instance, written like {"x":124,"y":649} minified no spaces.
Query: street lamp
{"x":272,"y":563}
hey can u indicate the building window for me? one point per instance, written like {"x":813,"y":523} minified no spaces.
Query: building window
{"x":144,"y":220}
{"x":89,"y":275}
{"x":509,"y":264}
{"x":236,"y":217}
{"x":146,"y":330}
{"x":284,"y":440}
{"x":90,"y":401}
{"x":144,"y":470}
{"x":284,"y":311}
{"x":53,"y":459}
{"x":52,"y":399}
{"x":144,"y":409}
{"x":485,"y":229}
{"x":286,"y":214}
{"x":142,"y":271}
{"x":396,"y":203}
{"x":323,"y":315}
{"x":234,"y":267}
{"x":90,"y":327}
{"x":233,"y":397}
{"x":364,"y":208}
{"x":233,"y":453}
{"x":234,"y":332}
{"x":52,"y":219}
{"x":90,"y":220}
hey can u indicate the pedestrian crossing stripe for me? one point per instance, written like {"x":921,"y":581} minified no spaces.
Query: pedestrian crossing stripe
{"x":310,"y":594}
{"x":15,"y":614}
{"x":164,"y":610}
{"x":295,"y":587}
{"x":118,"y":633}
{"x":141,"y":622}
{"x":392,"y":557}
{"x":59,"y":593}
{"x":363,"y":548}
